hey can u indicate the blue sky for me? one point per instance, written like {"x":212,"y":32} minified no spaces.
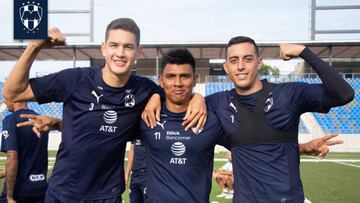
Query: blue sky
{"x":194,"y":21}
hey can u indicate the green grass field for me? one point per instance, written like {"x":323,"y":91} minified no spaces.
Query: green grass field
{"x":335,"y":180}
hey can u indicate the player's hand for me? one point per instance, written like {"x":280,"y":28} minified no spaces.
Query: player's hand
{"x":289,"y":51}
{"x":55,"y":38}
{"x":151,"y":113}
{"x":320,"y":147}
{"x":196,"y":113}
{"x":40,"y":123}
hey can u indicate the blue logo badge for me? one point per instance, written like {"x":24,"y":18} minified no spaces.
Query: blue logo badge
{"x":30,"y":19}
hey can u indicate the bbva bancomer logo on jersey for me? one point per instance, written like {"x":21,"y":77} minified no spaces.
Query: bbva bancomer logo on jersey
{"x":110,"y":117}
{"x":178,"y":149}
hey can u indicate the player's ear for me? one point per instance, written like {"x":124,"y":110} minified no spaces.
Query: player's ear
{"x":260,"y":61}
{"x":196,"y":77}
{"x":226,"y":69}
{"x":139,"y":51}
{"x":103,"y":46}
{"x":161,"y":80}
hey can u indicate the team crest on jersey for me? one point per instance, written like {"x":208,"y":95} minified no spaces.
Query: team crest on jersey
{"x":129,"y":100}
{"x":268,"y":104}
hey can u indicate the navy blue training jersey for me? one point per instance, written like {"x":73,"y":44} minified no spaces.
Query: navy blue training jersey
{"x":139,"y":161}
{"x":179,"y":163}
{"x":268,"y":172}
{"x":97,"y":121}
{"x":32,"y":155}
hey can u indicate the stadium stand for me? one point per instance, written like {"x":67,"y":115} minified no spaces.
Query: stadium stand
{"x":344,"y":119}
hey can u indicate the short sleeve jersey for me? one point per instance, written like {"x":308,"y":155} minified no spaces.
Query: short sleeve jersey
{"x":179,"y":164}
{"x":97,"y":121}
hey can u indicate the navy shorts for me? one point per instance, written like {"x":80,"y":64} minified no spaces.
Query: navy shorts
{"x":55,"y":197}
{"x":137,"y":188}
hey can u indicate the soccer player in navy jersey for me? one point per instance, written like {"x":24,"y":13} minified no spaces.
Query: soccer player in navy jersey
{"x":101,"y":110}
{"x":262,"y":120}
{"x":179,"y":163}
{"x":136,"y":166}
{"x":27,"y":158}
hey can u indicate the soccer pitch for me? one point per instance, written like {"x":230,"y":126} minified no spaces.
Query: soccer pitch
{"x":335,"y":179}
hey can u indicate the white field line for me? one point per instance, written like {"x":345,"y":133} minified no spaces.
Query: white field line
{"x":339,"y":162}
{"x":330,"y":160}
{"x":224,"y":159}
{"x":310,"y":160}
{"x":307,"y":200}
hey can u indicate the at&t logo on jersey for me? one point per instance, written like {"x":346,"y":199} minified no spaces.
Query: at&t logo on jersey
{"x":178,"y":149}
{"x":109,"y":117}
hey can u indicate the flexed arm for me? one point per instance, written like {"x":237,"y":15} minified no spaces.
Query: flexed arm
{"x":16,"y":87}
{"x":337,"y":91}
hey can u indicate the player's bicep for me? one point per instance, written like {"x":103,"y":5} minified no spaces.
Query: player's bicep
{"x":305,"y":97}
{"x":26,"y":95}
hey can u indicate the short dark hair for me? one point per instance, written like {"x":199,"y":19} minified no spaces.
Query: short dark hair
{"x":241,"y":39}
{"x":127,"y":24}
{"x":178,"y":56}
